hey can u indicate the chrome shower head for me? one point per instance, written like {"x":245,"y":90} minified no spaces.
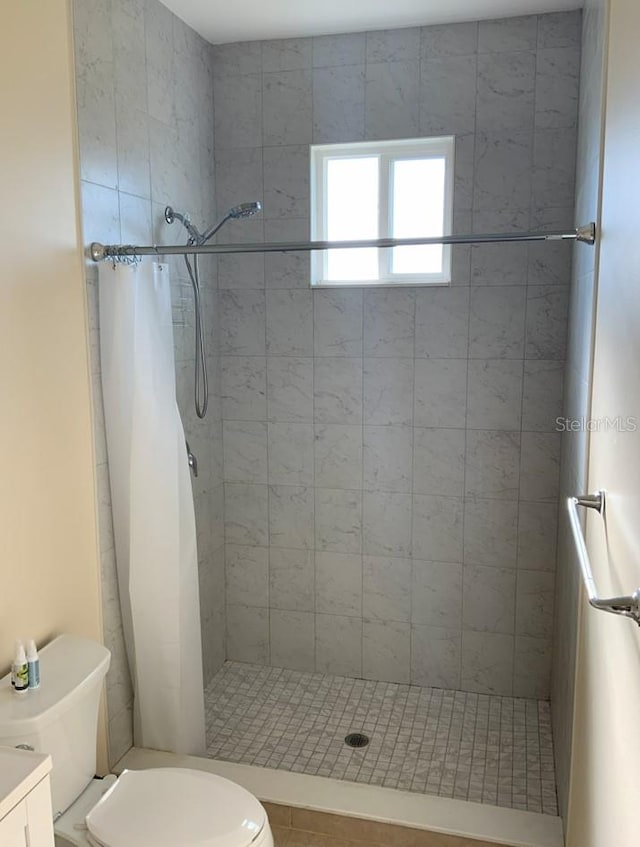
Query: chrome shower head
{"x":245,"y":210}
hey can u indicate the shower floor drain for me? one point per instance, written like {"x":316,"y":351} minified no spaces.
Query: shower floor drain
{"x":356,"y":739}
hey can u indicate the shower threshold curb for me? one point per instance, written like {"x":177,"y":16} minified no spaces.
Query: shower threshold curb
{"x":461,"y":818}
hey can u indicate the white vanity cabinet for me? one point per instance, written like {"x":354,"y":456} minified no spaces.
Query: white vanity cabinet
{"x":25,"y":799}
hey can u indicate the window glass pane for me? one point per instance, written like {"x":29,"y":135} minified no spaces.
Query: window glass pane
{"x":352,"y":213}
{"x":417,"y":210}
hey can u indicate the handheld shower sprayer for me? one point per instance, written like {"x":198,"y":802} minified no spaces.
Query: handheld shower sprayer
{"x":243,"y":210}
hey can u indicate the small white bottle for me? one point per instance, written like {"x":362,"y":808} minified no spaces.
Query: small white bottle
{"x":33,"y":663}
{"x":20,"y":670}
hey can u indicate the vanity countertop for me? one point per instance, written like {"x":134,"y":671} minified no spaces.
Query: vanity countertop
{"x":20,"y":772}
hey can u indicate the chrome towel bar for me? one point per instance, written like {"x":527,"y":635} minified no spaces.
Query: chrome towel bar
{"x":628,"y":606}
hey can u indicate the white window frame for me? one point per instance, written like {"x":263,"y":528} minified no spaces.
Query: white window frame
{"x":387,"y":153}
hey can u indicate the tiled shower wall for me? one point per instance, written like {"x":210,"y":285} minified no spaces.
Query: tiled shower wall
{"x":577,"y":399}
{"x":391,"y":459}
{"x":145,"y":112}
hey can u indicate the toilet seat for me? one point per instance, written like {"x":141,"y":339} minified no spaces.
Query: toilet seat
{"x":165,"y":807}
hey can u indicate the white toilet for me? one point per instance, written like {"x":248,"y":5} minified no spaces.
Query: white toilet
{"x":160,"y":807}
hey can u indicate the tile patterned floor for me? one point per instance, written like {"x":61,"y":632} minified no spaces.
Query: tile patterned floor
{"x":477,"y":747}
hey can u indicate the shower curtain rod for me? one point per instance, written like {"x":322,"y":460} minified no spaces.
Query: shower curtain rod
{"x":585,"y":234}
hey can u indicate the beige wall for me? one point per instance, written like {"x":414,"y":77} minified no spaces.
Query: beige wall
{"x":48,"y":549}
{"x":606,"y":742}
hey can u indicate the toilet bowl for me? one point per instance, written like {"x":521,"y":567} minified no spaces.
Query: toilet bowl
{"x":159,"y":807}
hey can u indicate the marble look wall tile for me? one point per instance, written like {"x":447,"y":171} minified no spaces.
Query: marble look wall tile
{"x":554,"y":167}
{"x":490,"y":533}
{"x":436,"y":594}
{"x":386,"y":529}
{"x":286,"y":54}
{"x":289,"y":323}
{"x":492,"y":464}
{"x":338,"y":520}
{"x":238,"y":112}
{"x":392,"y":100}
{"x":245,"y":451}
{"x":534,"y":603}
{"x":159,"y":55}
{"x":503,"y":175}
{"x":542,"y":394}
{"x":248,"y":634}
{"x":559,"y":29}
{"x":440,"y":392}
{"x":333,"y":50}
{"x":506,"y":86}
{"x":120,"y":734}
{"x":291,"y":517}
{"x":537,"y":531}
{"x":236,"y":59}
{"x":292,"y":640}
{"x":244,"y":388}
{"x":245,"y":514}
{"x":289,"y":388}
{"x":487,"y":662}
{"x":438,"y":461}
{"x":437,"y":528}
{"x":286,"y":103}
{"x":553,"y":265}
{"x":242,"y":323}
{"x":386,"y":648}
{"x":547,"y":308}
{"x":337,"y":319}
{"x":540,"y":466}
{"x":500,"y":264}
{"x":448,"y":95}
{"x":497,"y":322}
{"x":339,"y":645}
{"x":387,"y":458}
{"x":389,"y":322}
{"x":338,"y":390}
{"x":338,"y":456}
{"x":339,"y":584}
{"x":133,"y":151}
{"x":494,"y":395}
{"x":435,"y":656}
{"x":508,"y":35}
{"x":393,"y":45}
{"x":557,"y":86}
{"x":238,"y":177}
{"x":338,"y":104}
{"x":291,"y":579}
{"x":286,"y":182}
{"x":290,"y":454}
{"x":532,"y":667}
{"x":247,"y":575}
{"x":449,"y":40}
{"x":489,"y":598}
{"x":286,"y":270}
{"x":442,"y":323}
{"x":388,"y":391}
{"x":386,"y":587}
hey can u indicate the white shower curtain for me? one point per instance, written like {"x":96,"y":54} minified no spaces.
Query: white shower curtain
{"x":153,"y":514}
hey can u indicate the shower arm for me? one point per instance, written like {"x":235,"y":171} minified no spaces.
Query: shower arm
{"x":584,"y":234}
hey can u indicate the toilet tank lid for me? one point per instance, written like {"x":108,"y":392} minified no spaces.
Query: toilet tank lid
{"x":68,"y":666}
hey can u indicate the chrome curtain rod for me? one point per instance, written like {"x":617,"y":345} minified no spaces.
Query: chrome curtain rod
{"x":585,"y":234}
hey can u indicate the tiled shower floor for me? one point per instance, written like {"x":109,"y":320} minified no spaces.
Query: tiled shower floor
{"x":457,"y":744}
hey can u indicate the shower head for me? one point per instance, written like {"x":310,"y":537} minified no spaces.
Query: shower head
{"x":245,"y":210}
{"x":242,"y":210}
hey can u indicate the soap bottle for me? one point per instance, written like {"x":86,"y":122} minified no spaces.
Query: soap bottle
{"x":33,"y":663}
{"x":20,"y":670}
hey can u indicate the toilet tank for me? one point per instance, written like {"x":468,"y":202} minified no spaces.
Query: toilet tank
{"x":61,"y":716}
